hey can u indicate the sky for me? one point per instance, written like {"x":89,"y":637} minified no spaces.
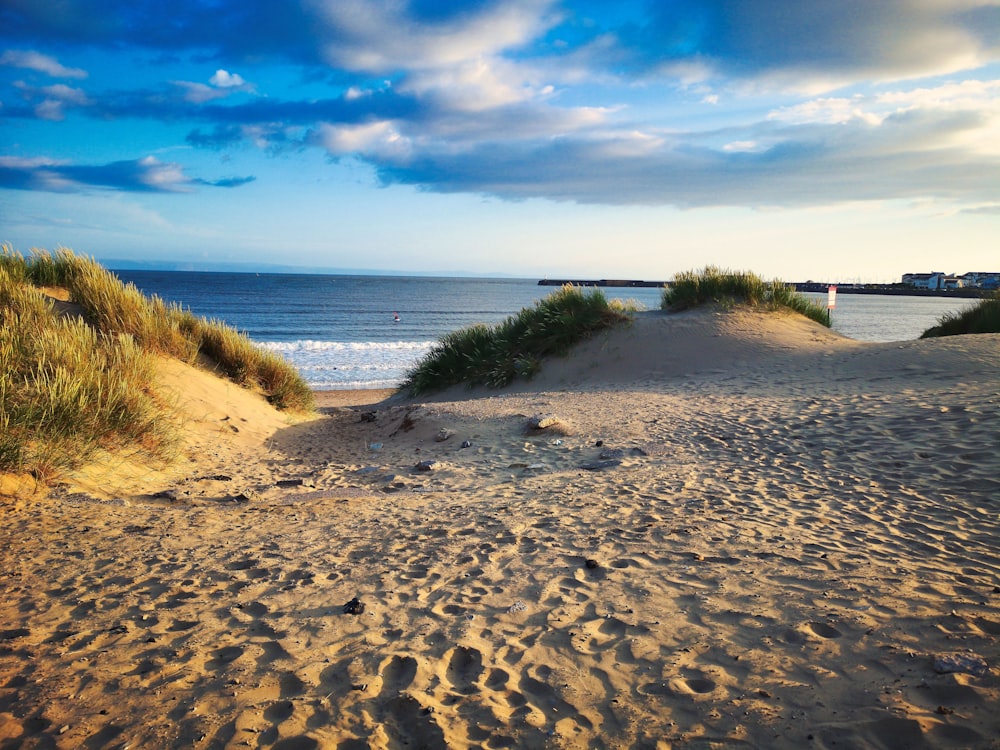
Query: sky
{"x":830,"y":140}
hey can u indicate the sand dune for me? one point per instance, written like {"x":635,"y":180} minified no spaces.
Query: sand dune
{"x":740,"y":530}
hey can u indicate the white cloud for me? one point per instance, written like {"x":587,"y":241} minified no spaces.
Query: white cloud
{"x":54,"y":99}
{"x":742,"y":146}
{"x":67,"y":94}
{"x":161,"y":175}
{"x":379,"y":35}
{"x":223,"y":79}
{"x":219,"y":86}
{"x":828,"y":111}
{"x":475,"y":85}
{"x":22,"y":162}
{"x":50,"y":110}
{"x":32,"y":60}
{"x":371,"y":139}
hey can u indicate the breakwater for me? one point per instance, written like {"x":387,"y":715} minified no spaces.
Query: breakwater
{"x":603,"y":282}
{"x":891,"y":290}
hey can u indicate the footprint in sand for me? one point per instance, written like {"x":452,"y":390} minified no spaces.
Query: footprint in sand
{"x":398,"y":675}
{"x":694,"y":686}
{"x":464,"y":669}
{"x":224,"y":656}
{"x":404,"y":720}
{"x":823,"y":630}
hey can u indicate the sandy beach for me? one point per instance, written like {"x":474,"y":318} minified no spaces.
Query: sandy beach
{"x":712,"y":529}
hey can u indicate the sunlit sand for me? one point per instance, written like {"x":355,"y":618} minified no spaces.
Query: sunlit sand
{"x":745,"y":530}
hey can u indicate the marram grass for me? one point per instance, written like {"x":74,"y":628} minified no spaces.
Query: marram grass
{"x":71,"y":386}
{"x":982,"y":317}
{"x":495,"y":356}
{"x":718,"y":286}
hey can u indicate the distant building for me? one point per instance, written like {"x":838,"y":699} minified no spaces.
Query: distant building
{"x":952,"y":282}
{"x":937,"y":280}
{"x":933,"y":280}
{"x":982,"y":279}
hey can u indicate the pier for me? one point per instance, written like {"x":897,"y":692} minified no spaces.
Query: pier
{"x":602,"y":282}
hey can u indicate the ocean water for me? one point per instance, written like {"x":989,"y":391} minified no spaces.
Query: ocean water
{"x":341,"y":332}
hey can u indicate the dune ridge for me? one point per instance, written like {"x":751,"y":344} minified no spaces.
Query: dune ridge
{"x":741,"y":530}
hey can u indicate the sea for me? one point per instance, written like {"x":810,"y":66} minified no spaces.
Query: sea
{"x":357,"y":332}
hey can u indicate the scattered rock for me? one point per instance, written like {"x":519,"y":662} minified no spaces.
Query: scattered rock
{"x":443,"y":434}
{"x":246,"y":495}
{"x":967,"y":663}
{"x":542,"y":421}
{"x":369,"y":416}
{"x":428,"y":465}
{"x":354,"y":607}
{"x":599,"y":443}
{"x":517,"y":606}
{"x":466,"y":443}
{"x":289,"y":483}
{"x":592,"y":564}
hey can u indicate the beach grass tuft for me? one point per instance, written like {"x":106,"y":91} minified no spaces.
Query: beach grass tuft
{"x":713,"y":285}
{"x":982,"y":317}
{"x":495,"y":356}
{"x":71,"y":385}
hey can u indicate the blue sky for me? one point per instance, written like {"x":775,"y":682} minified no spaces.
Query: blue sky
{"x":841,"y":140}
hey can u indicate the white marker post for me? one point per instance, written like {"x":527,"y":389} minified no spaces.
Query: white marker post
{"x":831,"y":302}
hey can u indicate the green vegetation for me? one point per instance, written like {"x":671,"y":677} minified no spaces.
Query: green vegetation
{"x":714,"y":285}
{"x":495,"y":355}
{"x":74,"y":384}
{"x":983,"y":317}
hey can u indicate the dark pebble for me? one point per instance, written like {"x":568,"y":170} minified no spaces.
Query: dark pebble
{"x":591,"y":564}
{"x":354,"y":607}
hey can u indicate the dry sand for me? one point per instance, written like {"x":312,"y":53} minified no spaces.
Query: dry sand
{"x":738,"y":530}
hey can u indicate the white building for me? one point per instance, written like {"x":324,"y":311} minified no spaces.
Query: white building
{"x":933,"y":280}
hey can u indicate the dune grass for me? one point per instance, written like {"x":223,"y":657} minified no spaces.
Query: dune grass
{"x":71,"y":385}
{"x":983,"y":317}
{"x":718,"y":286}
{"x":495,"y":355}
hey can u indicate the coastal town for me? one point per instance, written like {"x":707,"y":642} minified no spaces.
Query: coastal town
{"x":937,"y":280}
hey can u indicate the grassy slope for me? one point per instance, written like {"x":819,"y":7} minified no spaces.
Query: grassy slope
{"x":72,"y":385}
{"x":495,"y":355}
{"x":714,"y":285}
{"x":983,"y":317}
